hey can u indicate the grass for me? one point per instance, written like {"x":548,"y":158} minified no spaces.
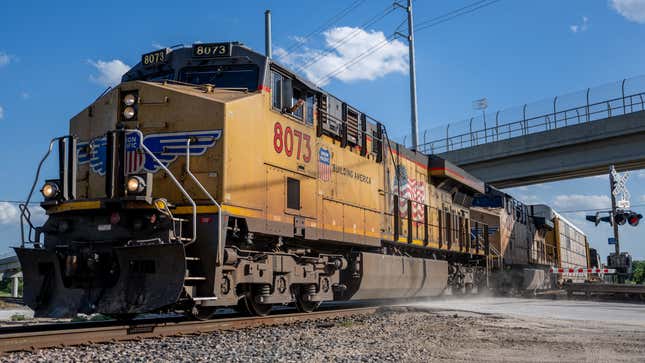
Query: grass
{"x":18,"y":317}
{"x":346,"y":323}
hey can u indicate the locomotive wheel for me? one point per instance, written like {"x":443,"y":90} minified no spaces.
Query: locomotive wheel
{"x":249,"y":305}
{"x":306,"y":306}
{"x":202,"y":312}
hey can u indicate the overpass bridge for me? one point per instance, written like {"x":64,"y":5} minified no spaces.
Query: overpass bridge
{"x":580,"y":139}
{"x":10,"y":269}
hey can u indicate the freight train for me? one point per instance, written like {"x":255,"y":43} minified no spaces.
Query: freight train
{"x":212,"y":176}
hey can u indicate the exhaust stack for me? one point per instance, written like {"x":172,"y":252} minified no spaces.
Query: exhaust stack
{"x":267,"y":33}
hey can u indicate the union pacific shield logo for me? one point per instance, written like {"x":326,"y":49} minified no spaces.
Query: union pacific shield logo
{"x":324,"y":164}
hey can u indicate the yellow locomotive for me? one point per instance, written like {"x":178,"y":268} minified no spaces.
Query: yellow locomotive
{"x":212,"y":176}
{"x":526,"y":241}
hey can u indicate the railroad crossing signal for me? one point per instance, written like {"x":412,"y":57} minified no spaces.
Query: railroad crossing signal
{"x":620,"y":218}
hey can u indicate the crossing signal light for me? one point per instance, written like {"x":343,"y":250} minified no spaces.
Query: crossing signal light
{"x":620,"y":218}
{"x":634,"y":218}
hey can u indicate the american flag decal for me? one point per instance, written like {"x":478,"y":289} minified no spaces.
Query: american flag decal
{"x":134,"y":156}
{"x":411,"y":189}
{"x":324,"y":164}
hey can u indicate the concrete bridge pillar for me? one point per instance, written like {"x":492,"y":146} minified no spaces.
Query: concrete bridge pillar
{"x":14,"y":286}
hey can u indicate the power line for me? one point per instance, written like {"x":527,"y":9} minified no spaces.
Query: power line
{"x":596,"y":210}
{"x":451,"y":12}
{"x":454,"y":14}
{"x":373,"y":20}
{"x":17,"y":202}
{"x":334,"y":19}
{"x":362,"y":56}
{"x":421,"y":26}
{"x":357,"y":59}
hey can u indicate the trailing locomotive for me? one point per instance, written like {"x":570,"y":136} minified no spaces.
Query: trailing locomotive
{"x":212,"y":176}
{"x":526,"y":241}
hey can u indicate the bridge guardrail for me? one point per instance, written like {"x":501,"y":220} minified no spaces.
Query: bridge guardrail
{"x":481,"y":130}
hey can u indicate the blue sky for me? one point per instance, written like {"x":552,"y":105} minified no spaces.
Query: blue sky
{"x":56,"y":58}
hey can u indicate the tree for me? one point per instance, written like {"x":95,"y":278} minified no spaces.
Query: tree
{"x":638,"y":276}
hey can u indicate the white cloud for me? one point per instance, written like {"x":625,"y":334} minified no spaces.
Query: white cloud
{"x":158,"y":45}
{"x":579,"y":201}
{"x":109,"y":72}
{"x":9,"y":213}
{"x":643,"y":198}
{"x":581,"y":27}
{"x":5,"y":59}
{"x":1,"y":113}
{"x":24,"y":95}
{"x":348,"y":44}
{"x":633,"y":10}
{"x":298,"y":39}
{"x":529,"y":199}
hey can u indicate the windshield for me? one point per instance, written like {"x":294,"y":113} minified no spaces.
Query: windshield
{"x":224,"y":76}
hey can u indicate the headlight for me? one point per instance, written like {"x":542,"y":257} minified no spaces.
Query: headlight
{"x":135,"y":184}
{"x":128,"y":112}
{"x":50,"y":190}
{"x":129,"y":99}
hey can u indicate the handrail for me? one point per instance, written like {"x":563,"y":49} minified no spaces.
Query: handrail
{"x":220,"y":241}
{"x":524,"y":126}
{"x":177,"y":183}
{"x":25,"y":214}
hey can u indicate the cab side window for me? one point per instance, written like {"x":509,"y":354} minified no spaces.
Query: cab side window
{"x":310,"y":103}
{"x":276,"y":92}
{"x":292,"y":98}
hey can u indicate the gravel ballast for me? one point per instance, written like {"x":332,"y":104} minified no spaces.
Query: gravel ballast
{"x":398,"y":334}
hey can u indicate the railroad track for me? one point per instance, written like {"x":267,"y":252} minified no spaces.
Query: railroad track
{"x":30,"y":338}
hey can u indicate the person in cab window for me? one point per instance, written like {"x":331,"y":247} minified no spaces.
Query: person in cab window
{"x":296,"y":109}
{"x":298,"y":101}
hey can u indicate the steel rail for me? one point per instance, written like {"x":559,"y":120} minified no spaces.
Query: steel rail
{"x":31,"y":341}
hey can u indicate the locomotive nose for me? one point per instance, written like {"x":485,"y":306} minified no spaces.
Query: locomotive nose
{"x":146,"y":278}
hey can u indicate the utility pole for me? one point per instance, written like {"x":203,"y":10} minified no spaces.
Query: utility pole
{"x":612,"y":186}
{"x":413,"y":77}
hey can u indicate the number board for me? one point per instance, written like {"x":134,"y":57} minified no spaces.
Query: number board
{"x":211,"y":50}
{"x":155,"y":58}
